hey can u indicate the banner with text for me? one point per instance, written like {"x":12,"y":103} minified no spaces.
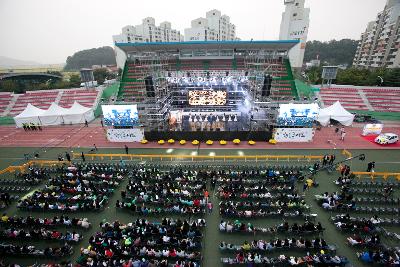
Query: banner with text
{"x":125,"y":135}
{"x":284,"y":135}
{"x":375,"y":128}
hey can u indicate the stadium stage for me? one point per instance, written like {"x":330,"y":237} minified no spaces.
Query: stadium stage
{"x":204,"y":136}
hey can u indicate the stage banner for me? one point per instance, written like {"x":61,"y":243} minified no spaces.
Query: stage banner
{"x":125,"y":135}
{"x":285,"y":135}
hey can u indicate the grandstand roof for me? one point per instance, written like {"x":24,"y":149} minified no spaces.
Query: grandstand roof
{"x":155,"y":46}
{"x":28,"y":74}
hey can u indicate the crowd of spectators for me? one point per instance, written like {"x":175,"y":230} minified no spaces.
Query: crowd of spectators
{"x":280,"y":244}
{"x":74,"y":189}
{"x":29,"y":221}
{"x":143,"y":243}
{"x":366,"y":232}
{"x":317,"y":259}
{"x":31,"y":250}
{"x":381,"y":256}
{"x":39,"y":234}
{"x":175,"y":191}
{"x":237,"y":226}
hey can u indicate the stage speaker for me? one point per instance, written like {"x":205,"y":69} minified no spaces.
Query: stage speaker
{"x":148,"y":81}
{"x":266,"y":89}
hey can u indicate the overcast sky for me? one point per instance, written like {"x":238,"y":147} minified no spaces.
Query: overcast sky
{"x":47,"y":31}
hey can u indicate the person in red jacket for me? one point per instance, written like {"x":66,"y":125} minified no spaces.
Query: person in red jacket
{"x":206,"y":194}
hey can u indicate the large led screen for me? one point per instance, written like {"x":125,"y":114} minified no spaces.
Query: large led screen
{"x":207,"y":97}
{"x":120,"y":115}
{"x":297,"y":114}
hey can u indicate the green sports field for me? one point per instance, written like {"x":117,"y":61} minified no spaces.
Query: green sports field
{"x":386,"y":160}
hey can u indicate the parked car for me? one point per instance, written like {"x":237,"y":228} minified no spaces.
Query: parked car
{"x":387,"y":138}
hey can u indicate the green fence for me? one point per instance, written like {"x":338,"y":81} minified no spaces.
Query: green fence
{"x":383,"y":116}
{"x":6,"y":120}
{"x":105,"y":96}
{"x":304,"y":89}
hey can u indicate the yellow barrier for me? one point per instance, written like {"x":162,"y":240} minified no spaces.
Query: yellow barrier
{"x":347,"y":153}
{"x":373,"y":175}
{"x":198,"y":157}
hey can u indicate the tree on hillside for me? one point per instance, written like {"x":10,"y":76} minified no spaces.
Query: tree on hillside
{"x":54,"y":72}
{"x":361,"y":77}
{"x":102,"y":74}
{"x":314,"y":75}
{"x":332,"y":52}
{"x":86,"y":58}
{"x":75,"y":80}
{"x":8,"y":86}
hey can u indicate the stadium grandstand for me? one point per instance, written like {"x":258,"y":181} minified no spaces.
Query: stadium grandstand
{"x":13,"y":104}
{"x":208,"y":57}
{"x":159,"y":78}
{"x":378,"y":101}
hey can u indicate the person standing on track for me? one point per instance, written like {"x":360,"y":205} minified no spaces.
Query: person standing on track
{"x":68,"y":156}
{"x":342,"y":135}
{"x":126,"y":149}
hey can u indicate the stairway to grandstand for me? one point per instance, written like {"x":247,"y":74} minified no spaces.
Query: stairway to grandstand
{"x":132,"y":86}
{"x":133,"y":89}
{"x":363,"y":98}
{"x":5,"y":99}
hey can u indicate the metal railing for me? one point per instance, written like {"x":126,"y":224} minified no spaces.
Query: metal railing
{"x":224,"y":158}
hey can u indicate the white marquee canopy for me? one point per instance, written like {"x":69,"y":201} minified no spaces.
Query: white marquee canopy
{"x":336,"y":112}
{"x":54,"y":115}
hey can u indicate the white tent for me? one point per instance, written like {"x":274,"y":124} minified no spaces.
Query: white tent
{"x":78,"y":114}
{"x":335,"y":112}
{"x":30,"y":114}
{"x":55,"y":115}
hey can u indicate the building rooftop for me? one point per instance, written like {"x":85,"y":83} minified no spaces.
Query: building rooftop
{"x":156,"y":46}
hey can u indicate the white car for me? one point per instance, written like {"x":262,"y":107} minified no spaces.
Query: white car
{"x":387,"y":138}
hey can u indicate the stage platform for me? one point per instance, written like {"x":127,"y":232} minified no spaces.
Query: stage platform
{"x":209,"y":135}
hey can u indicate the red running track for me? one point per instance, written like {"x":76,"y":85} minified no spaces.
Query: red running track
{"x":79,"y":136}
